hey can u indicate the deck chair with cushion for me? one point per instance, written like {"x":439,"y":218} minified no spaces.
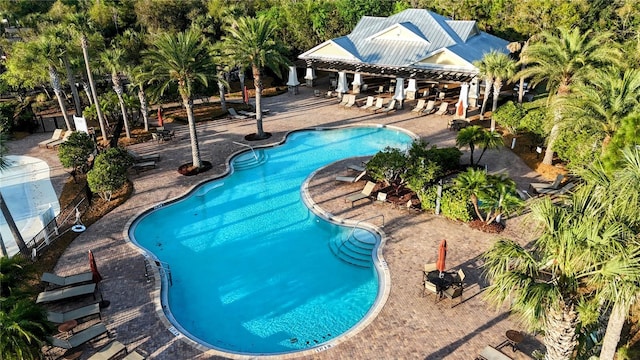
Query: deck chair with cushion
{"x":344,"y":100}
{"x":60,"y":281}
{"x":368,"y":104}
{"x":355,"y":167}
{"x":538,"y":187}
{"x":235,"y":115}
{"x":443,"y":108}
{"x":247,"y":113}
{"x":79,"y":313}
{"x":351,"y":179}
{"x":133,"y":356}
{"x":66,"y":293}
{"x":379,"y":105}
{"x":57,"y":134}
{"x":351,"y":102}
{"x":491,"y":353}
{"x":364,"y":194}
{"x":430,"y":108}
{"x":55,"y":144}
{"x":109,"y":351}
{"x":80,"y":337}
{"x":142,"y":158}
{"x":142,"y":166}
{"x":391,"y":107}
{"x":419,"y":106}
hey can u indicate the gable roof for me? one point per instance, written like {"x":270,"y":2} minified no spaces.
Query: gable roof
{"x":410,"y":39}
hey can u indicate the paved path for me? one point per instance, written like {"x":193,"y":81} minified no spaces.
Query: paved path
{"x":408,"y":327}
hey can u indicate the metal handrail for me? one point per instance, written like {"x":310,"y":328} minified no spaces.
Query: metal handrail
{"x":353,"y":228}
{"x":249,"y":146}
{"x":163,"y":268}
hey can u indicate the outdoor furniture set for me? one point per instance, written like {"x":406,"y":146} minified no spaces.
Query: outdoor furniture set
{"x":443,"y":284}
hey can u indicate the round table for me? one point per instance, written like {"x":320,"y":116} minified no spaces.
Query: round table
{"x":67,"y":326}
{"x":441,"y":283}
{"x":514,"y":338}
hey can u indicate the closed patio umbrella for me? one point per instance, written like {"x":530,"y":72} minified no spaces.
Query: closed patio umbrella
{"x":160,"y":121}
{"x":442,"y":255}
{"x":96,"y":279}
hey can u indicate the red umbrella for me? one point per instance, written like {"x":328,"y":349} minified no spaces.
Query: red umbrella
{"x":160,"y":121}
{"x":94,"y":268}
{"x":245,"y":95}
{"x":442,"y":255}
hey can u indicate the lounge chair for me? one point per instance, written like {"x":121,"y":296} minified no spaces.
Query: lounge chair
{"x":381,"y":198}
{"x":55,"y":144}
{"x":430,"y":108}
{"x":557,"y":192}
{"x":57,"y":134}
{"x":133,"y":356}
{"x":351,"y":179}
{"x":248,"y":113}
{"x":391,"y":107}
{"x":491,"y":353}
{"x":356,"y":167}
{"x":419,"y":107}
{"x":443,"y":108}
{"x":85,"y":311}
{"x":364,"y":194}
{"x":60,"y":281}
{"x":235,"y":115}
{"x":344,"y":100}
{"x":142,"y":166}
{"x":109,"y":351}
{"x":380,"y":89}
{"x":80,"y":337}
{"x":66,"y":293}
{"x":329,"y":94}
{"x":351,"y":102}
{"x":538,"y":187}
{"x":142,"y":158}
{"x":378,"y":105}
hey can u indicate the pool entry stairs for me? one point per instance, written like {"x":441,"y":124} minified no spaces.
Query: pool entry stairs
{"x":356,"y":248}
{"x":249,"y":159}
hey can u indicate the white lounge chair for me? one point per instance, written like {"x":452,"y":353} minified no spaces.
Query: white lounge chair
{"x":538,"y":187}
{"x":142,"y":158}
{"x":378,"y":105}
{"x":66,"y":293}
{"x":57,"y":134}
{"x":364,"y":194}
{"x":391,"y":107}
{"x":419,"y":106}
{"x":430,"y":108}
{"x":491,"y":353}
{"x":80,"y":337}
{"x":55,"y":144}
{"x":248,"y":113}
{"x":356,"y":167}
{"x":351,"y":102}
{"x":344,"y":100}
{"x":369,"y":103}
{"x":85,"y":311}
{"x":60,"y":281}
{"x":235,"y":115}
{"x":443,"y":108}
{"x":351,"y":179}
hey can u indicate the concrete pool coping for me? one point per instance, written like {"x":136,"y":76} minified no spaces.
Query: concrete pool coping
{"x":160,"y":284}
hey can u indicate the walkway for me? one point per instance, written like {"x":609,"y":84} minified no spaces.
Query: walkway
{"x":408,"y":327}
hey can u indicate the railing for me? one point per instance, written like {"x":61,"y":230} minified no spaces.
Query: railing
{"x":353,"y":228}
{"x":163,"y":268}
{"x":249,"y":146}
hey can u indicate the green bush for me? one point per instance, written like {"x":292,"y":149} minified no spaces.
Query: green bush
{"x":109,"y":172}
{"x":428,"y":198}
{"x":387,"y":166}
{"x":455,"y":204}
{"x":447,"y":158}
{"x":509,"y":116}
{"x":75,"y":152}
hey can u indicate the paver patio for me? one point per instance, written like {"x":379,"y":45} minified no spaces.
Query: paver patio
{"x":408,"y":327}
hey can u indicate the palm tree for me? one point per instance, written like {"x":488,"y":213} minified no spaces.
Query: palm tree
{"x":563,"y":60}
{"x":61,"y":36}
{"x":486,"y":68}
{"x":182,"y":59}
{"x":137,"y":81}
{"x":49,"y":51}
{"x":503,"y":69}
{"x":17,"y":237}
{"x":112,"y":59}
{"x":489,"y":141}
{"x":472,"y":181}
{"x":253,"y":42}
{"x":545,"y":283}
{"x":23,"y":326}
{"x":603,"y":102}
{"x":499,"y":197}
{"x":475,"y":135}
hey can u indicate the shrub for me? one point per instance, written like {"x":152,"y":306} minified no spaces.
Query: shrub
{"x":447,"y":158}
{"x":422,"y":174}
{"x":387,"y":166}
{"x":428,"y":198}
{"x":509,"y":116}
{"x":109,"y":172}
{"x":75,"y":152}
{"x":455,"y":205}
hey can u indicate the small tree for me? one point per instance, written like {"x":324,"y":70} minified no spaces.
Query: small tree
{"x":509,"y":115}
{"x":75,"y":152}
{"x":388,"y":166}
{"x":498,"y":197}
{"x":109,"y":172}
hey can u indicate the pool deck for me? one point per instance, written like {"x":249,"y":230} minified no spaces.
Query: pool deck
{"x":409,"y":326}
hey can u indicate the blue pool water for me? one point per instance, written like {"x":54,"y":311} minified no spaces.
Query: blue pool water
{"x":251,"y":265}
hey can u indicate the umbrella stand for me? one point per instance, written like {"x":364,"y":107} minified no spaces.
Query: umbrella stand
{"x":103,"y":303}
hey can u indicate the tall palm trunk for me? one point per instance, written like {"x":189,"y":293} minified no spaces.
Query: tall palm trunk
{"x":72,"y":84}
{"x":560,"y":337}
{"x":614,"y":328}
{"x":195,"y":148}
{"x":13,"y":228}
{"x":474,"y":201}
{"x":85,"y":54}
{"x":117,"y":87}
{"x":257,"y":78}
{"x":221,"y":90}
{"x":144,"y":107}
{"x":87,"y":91}
{"x":488,"y":83}
{"x":497,"y":86}
{"x":55,"y":83}
{"x":3,"y":248}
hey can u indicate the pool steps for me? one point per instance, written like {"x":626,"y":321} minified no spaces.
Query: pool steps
{"x":356,"y":249}
{"x":249,"y":159}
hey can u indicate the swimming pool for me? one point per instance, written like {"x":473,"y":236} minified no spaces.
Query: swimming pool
{"x":252,"y":269}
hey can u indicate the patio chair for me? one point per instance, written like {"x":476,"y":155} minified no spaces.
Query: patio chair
{"x":235,"y":115}
{"x":109,"y":351}
{"x":538,"y":187}
{"x":391,"y":107}
{"x":430,"y":288}
{"x":491,"y":353}
{"x":380,"y":89}
{"x":430,"y":108}
{"x":364,"y":194}
{"x":142,"y":158}
{"x":55,"y":144}
{"x":57,"y":134}
{"x":79,"y":313}
{"x":378,"y":105}
{"x":443,"y":108}
{"x":142,"y":166}
{"x":345,"y":100}
{"x":419,"y":106}
{"x":381,"y":198}
{"x":351,"y":179}
{"x":80,"y":337}
{"x":351,"y":102}
{"x":54,"y":280}
{"x":557,"y":192}
{"x":355,"y":167}
{"x":368,"y":104}
{"x":454,"y":291}
{"x":66,"y":293}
